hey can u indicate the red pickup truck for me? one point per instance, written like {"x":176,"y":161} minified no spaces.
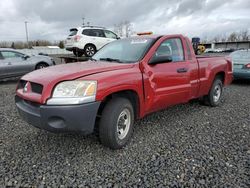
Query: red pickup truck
{"x":125,"y":80}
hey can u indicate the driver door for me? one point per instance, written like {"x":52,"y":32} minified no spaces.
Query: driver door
{"x":169,"y":81}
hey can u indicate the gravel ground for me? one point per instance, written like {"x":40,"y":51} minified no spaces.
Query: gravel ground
{"x":184,"y":146}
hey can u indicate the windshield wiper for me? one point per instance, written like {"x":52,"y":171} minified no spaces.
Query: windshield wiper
{"x":110,"y":59}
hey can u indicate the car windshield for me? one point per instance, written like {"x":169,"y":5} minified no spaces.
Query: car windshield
{"x":240,"y":56}
{"x":125,"y":50}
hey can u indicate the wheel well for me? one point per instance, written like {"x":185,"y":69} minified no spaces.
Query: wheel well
{"x":42,"y":62}
{"x":221,"y":75}
{"x":131,"y":95}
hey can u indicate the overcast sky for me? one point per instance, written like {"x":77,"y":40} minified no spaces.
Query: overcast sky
{"x":51,"y":19}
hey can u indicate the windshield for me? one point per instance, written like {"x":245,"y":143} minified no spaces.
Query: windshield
{"x":125,"y":50}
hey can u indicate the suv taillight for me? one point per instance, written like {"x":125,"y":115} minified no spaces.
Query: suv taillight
{"x":77,"y":38}
{"x":247,"y":66}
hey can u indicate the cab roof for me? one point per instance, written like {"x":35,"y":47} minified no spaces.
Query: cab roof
{"x":156,"y":36}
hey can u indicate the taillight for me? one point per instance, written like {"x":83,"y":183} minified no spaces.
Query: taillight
{"x":247,"y":66}
{"x":77,"y":38}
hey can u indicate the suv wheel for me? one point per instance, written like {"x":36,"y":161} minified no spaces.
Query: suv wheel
{"x":89,"y":50}
{"x":116,"y":124}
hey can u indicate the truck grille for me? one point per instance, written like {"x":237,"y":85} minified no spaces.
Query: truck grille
{"x":35,"y":88}
{"x":21,"y":84}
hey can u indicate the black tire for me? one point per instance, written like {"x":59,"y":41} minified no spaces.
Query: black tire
{"x":109,"y":126}
{"x":89,"y":50}
{"x":78,"y":53}
{"x":41,"y":65}
{"x":214,"y":96}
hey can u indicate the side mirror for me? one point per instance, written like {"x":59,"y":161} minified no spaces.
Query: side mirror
{"x":118,"y":38}
{"x":26,"y":57}
{"x":160,"y":59}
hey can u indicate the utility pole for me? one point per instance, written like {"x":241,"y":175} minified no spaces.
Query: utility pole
{"x":26,"y":30}
{"x":83,"y":19}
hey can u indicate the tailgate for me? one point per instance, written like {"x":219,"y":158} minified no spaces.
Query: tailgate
{"x":70,"y":39}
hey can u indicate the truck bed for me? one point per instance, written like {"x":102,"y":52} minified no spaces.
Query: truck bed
{"x":207,"y":55}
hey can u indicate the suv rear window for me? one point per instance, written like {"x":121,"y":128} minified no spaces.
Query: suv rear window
{"x":73,"y":32}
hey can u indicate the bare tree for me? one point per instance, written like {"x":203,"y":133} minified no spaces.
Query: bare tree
{"x":4,"y":44}
{"x":127,"y":25}
{"x":244,"y":36}
{"x":13,"y":45}
{"x":22,"y":44}
{"x":223,"y":38}
{"x":204,"y":40}
{"x":61,"y":44}
{"x":233,"y":37}
{"x":216,"y":39}
{"x":118,"y":29}
{"x":124,"y":28}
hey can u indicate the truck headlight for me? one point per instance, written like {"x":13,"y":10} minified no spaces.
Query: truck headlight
{"x":73,"y":92}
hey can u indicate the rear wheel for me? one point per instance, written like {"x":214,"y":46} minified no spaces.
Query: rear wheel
{"x":89,"y":50}
{"x":78,"y":53}
{"x":41,"y":65}
{"x":214,"y":96}
{"x":116,"y":124}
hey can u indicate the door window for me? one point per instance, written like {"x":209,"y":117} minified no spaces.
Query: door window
{"x":96,"y":33}
{"x":171,"y":47}
{"x":86,"y":32}
{"x":9,"y":54}
{"x":110,"y":34}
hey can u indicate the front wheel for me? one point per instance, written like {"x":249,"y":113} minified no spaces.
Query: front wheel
{"x":41,"y":66}
{"x":116,"y":124}
{"x":214,"y":96}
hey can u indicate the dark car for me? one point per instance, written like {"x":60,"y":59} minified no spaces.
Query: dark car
{"x":14,"y":63}
{"x":241,"y":64}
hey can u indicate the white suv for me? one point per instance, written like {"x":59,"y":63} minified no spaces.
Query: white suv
{"x":88,"y":39}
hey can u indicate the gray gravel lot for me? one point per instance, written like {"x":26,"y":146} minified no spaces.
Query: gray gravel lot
{"x":184,"y":146}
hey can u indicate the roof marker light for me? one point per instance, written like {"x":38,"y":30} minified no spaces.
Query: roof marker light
{"x":145,"y":33}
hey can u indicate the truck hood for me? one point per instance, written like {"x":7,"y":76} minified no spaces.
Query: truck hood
{"x":55,"y":74}
{"x":51,"y":76}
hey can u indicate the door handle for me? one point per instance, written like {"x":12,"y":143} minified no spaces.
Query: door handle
{"x":182,"y":70}
{"x":9,"y":63}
